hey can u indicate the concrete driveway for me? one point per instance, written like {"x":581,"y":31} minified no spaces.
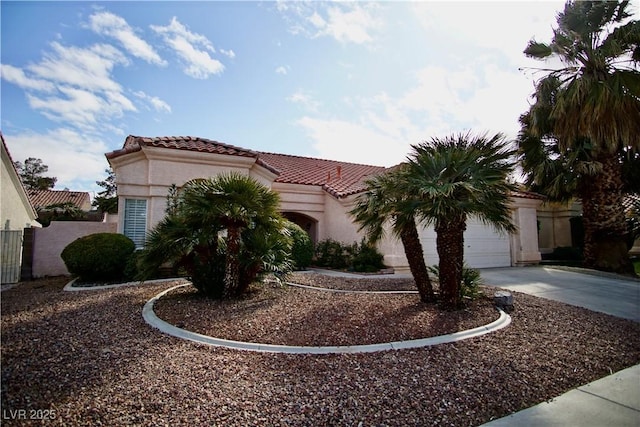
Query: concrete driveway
{"x":604,"y":293}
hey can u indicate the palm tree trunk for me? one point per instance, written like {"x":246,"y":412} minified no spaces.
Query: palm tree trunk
{"x":415,"y":257}
{"x":450,"y":246}
{"x":605,"y":227}
{"x":232,"y":263}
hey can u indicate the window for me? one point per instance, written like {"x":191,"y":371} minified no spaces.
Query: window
{"x":135,"y":220}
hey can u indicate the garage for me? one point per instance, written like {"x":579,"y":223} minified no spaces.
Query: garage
{"x":483,"y":246}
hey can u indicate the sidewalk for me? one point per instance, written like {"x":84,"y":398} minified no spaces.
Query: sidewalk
{"x":610,"y":401}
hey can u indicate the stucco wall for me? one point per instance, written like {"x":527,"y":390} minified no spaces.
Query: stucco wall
{"x":49,"y":242}
{"x":338,"y":224}
{"x":524,"y":243}
{"x":149,"y":173}
{"x":15,"y":211}
{"x":555,"y":228}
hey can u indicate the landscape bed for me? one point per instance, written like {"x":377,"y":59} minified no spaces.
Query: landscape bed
{"x":90,"y":359}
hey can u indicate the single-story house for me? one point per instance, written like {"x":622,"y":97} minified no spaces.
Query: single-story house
{"x":315,"y":193}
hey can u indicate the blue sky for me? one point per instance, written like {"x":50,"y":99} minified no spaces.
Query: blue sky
{"x":356,"y":82}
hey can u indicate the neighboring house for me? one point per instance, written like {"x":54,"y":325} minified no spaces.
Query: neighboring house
{"x":316,"y":194}
{"x":41,"y":199}
{"x":555,"y":226}
{"x":16,"y":214}
{"x":16,"y":210}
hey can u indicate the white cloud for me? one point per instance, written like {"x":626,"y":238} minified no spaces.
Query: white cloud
{"x":18,"y":77}
{"x":108,"y":24}
{"x":283,"y":69}
{"x":82,"y":108}
{"x":317,"y":20}
{"x":157,"y":103}
{"x":353,"y":142}
{"x":85,"y":95}
{"x":192,"y":48}
{"x":304,"y":99}
{"x":88,"y":68}
{"x":500,"y":27}
{"x":479,"y":96}
{"x":228,"y":53}
{"x":76,"y":159}
{"x":351,"y":22}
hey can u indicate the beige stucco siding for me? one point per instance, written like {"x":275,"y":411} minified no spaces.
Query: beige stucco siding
{"x":16,"y":212}
{"x":555,"y":225}
{"x":524,"y":243}
{"x":305,"y":199}
{"x":338,"y":223}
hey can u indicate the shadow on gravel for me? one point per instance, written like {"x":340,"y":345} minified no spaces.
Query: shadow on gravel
{"x":57,"y":346}
{"x":90,"y":356}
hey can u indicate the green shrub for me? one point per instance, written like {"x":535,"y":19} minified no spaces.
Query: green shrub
{"x":333,"y":254}
{"x":355,"y":257}
{"x":471,"y":281}
{"x":101,"y":256}
{"x":302,"y":249}
{"x":367,"y":259}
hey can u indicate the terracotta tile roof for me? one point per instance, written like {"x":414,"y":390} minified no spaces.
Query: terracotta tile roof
{"x":189,"y":143}
{"x":42,"y":198}
{"x":529,"y":195}
{"x":339,"y":179}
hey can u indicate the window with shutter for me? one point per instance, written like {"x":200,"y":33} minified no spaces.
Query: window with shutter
{"x":135,"y":220}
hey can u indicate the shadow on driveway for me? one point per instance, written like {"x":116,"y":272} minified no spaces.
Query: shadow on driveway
{"x":607,"y":294}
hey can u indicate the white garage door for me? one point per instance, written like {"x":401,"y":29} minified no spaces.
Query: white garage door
{"x":483,"y":247}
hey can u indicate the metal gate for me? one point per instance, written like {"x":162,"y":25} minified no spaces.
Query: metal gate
{"x":11,"y":241}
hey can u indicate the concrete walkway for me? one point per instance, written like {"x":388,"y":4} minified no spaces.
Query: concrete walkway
{"x":610,"y":401}
{"x":605,"y":293}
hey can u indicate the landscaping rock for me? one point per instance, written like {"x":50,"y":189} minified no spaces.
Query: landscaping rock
{"x":504,"y":300}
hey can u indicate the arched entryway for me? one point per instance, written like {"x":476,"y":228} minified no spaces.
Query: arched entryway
{"x":308,"y":224}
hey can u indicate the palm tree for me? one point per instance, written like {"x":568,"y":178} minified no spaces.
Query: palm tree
{"x":452,"y":179}
{"x":235,"y":202}
{"x":386,"y":200}
{"x":592,"y":105}
{"x":230,"y":217}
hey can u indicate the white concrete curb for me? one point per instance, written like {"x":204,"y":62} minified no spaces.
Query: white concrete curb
{"x":70,"y":288}
{"x":346,"y":291}
{"x":150,"y":317}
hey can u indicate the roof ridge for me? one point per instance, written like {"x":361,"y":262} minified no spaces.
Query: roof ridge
{"x":321,"y":159}
{"x":195,"y":138}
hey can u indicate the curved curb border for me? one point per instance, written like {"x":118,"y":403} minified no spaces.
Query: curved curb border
{"x":346,"y":291}
{"x":70,"y":288}
{"x":150,"y":317}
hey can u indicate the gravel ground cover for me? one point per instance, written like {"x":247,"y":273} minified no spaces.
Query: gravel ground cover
{"x":282,"y":315}
{"x":88,"y":358}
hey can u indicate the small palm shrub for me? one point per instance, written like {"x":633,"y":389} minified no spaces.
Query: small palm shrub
{"x":302,"y":249}
{"x":471,"y":281}
{"x":223,"y":232}
{"x":100,"y":256}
